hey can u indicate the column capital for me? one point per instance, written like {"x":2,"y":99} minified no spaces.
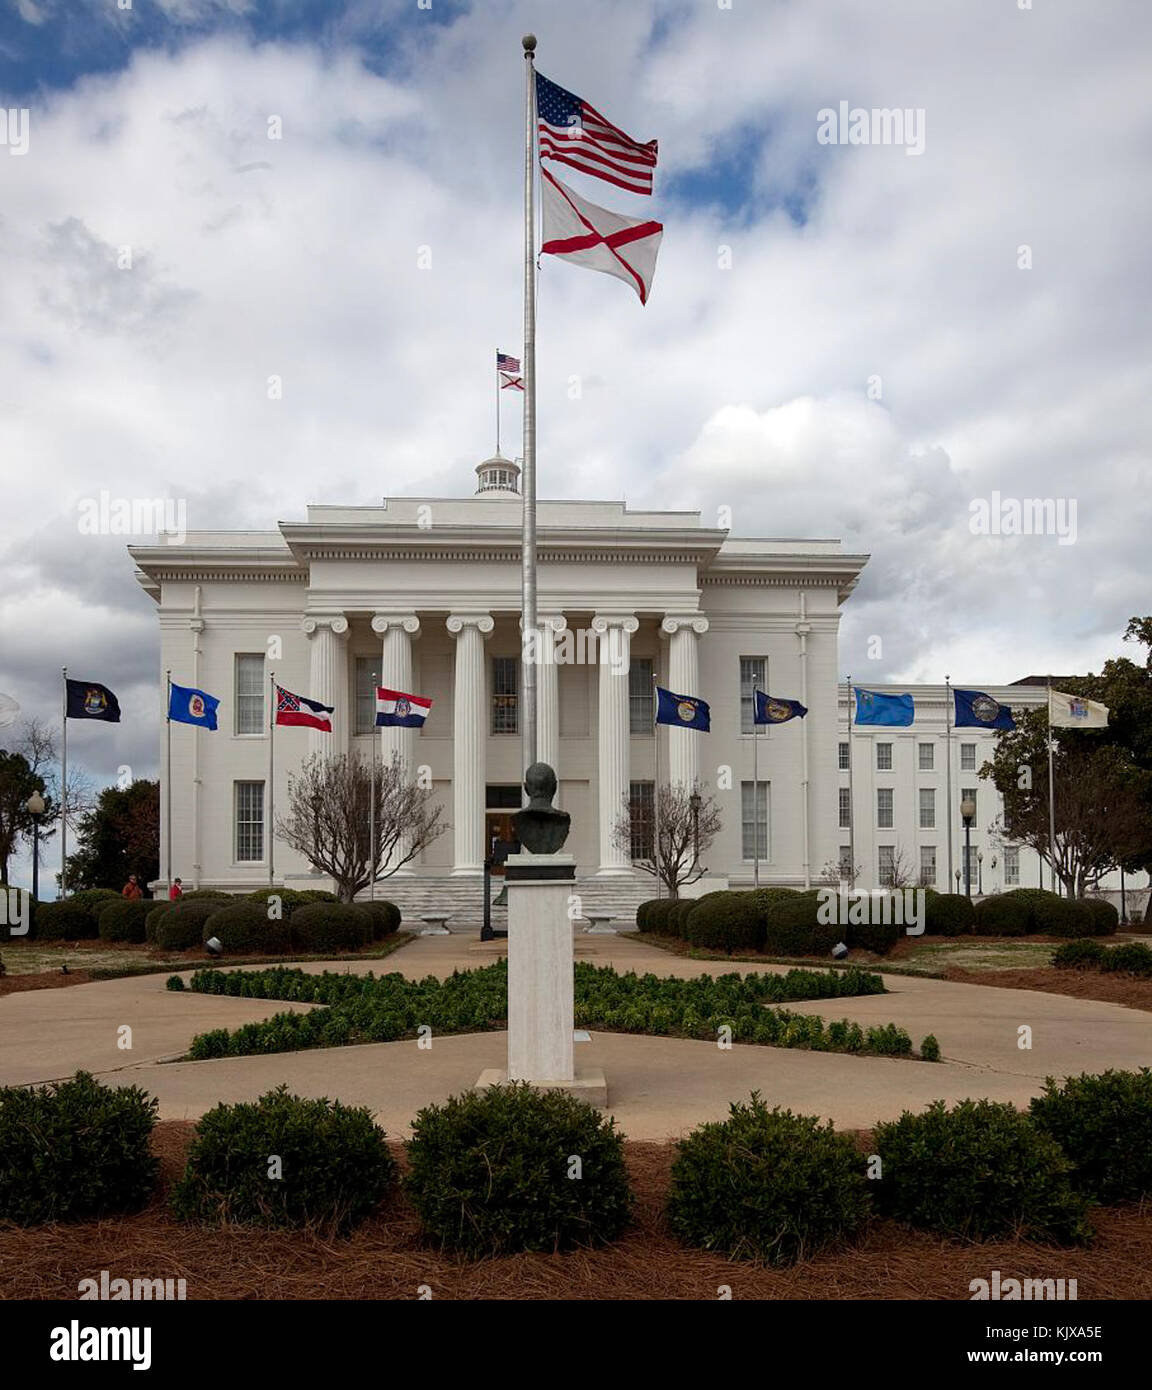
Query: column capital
{"x":692,"y":622}
{"x":626,"y":622}
{"x":337,"y":622}
{"x":483,"y":622}
{"x":408,"y":622}
{"x":557,"y":622}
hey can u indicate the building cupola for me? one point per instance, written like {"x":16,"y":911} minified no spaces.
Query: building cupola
{"x":498,"y":477}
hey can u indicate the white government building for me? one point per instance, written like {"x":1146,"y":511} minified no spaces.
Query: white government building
{"x":424,"y":595}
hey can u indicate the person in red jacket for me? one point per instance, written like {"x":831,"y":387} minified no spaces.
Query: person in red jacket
{"x":177,"y":890}
{"x":131,"y":889}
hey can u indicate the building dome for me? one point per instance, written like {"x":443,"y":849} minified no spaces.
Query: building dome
{"x":498,"y":477}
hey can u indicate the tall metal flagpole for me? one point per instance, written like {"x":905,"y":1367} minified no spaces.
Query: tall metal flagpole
{"x":851,"y":799}
{"x":528,"y":542}
{"x":64,"y":786}
{"x":168,"y":777}
{"x":755,"y":787}
{"x":272,"y":780}
{"x":1051,"y":794}
{"x":497,"y":411}
{"x":372,"y":807}
{"x":656,"y":789}
{"x":948,"y":762}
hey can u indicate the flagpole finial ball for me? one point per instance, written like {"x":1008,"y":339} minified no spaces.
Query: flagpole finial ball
{"x":529,"y":42}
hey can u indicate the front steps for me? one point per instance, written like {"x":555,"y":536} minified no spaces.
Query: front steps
{"x":463,"y":899}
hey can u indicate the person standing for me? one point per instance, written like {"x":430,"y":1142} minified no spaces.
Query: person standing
{"x":132,"y":889}
{"x":177,"y":890}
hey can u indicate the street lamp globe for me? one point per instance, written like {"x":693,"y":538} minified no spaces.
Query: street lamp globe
{"x":35,"y":805}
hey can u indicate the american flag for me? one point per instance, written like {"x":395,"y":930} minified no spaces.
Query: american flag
{"x":504,"y":363}
{"x":575,"y":133}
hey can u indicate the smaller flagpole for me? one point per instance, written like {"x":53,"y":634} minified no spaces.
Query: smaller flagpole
{"x":948,"y":764}
{"x":656,"y":788}
{"x":372,"y":801}
{"x":1051,"y":793}
{"x":851,"y":799}
{"x":497,"y":411}
{"x":168,"y":779}
{"x":272,"y":782}
{"x":64,"y":786}
{"x":755,"y":786}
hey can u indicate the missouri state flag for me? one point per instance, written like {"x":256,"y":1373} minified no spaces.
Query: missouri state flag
{"x":394,"y":709}
{"x":975,"y":710}
{"x":189,"y":706}
{"x":91,"y":700}
{"x":682,"y":711}
{"x":892,"y":711}
{"x":298,"y":711}
{"x":769,"y":710}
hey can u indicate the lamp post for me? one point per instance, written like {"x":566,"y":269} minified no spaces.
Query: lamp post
{"x":957,"y":880}
{"x":35,"y":808}
{"x":694,"y":803}
{"x":968,"y":812}
{"x":979,"y":873}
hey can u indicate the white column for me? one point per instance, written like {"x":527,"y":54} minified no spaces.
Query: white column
{"x":548,"y":694}
{"x":614,"y":631}
{"x":469,"y":741}
{"x":683,"y":679}
{"x":328,"y":678}
{"x":396,"y":632}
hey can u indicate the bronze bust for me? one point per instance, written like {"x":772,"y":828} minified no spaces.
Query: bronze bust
{"x":540,"y":828}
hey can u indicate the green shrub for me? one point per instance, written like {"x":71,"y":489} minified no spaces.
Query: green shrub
{"x":1081,"y":954}
{"x":979,"y":1171}
{"x":1104,"y":1124}
{"x":948,"y":914}
{"x":930,"y":1049}
{"x":246,"y":927}
{"x":678,"y":915}
{"x":334,"y":1164}
{"x":1066,"y":917}
{"x":74,"y":1150}
{"x":174,"y":982}
{"x":659,"y":910}
{"x":94,"y":899}
{"x":318,"y":895}
{"x":725,"y":922}
{"x":1133,"y":958}
{"x":790,"y":924}
{"x":875,"y":934}
{"x":1034,"y":899}
{"x":642,"y":914}
{"x":182,"y":928}
{"x":62,"y":921}
{"x":330,"y":927}
{"x":384,"y":917}
{"x":289,"y":899}
{"x":152,"y":920}
{"x":492,"y":1172}
{"x":1105,"y":917}
{"x":124,"y":920}
{"x":1003,"y":914}
{"x":766,"y":1185}
{"x":195,"y":894}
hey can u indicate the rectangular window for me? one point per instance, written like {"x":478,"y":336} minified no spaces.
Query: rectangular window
{"x":884,"y":808}
{"x":752,"y":668}
{"x":927,"y":866}
{"x":249,"y":692}
{"x":846,"y":861}
{"x":845,"y":807}
{"x":505,"y":694}
{"x":640,"y":804}
{"x":640,"y":695}
{"x":249,"y":822}
{"x":967,"y":757}
{"x":755,"y":819}
{"x":845,"y":756}
{"x":1011,"y":866}
{"x":367,"y":679}
{"x":883,"y":757}
{"x":927,"y":808}
{"x":973,"y":869}
{"x":886,"y":864}
{"x":927,"y":757}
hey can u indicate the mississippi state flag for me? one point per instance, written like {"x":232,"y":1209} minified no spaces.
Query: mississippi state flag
{"x":398,"y":710}
{"x":298,"y":710}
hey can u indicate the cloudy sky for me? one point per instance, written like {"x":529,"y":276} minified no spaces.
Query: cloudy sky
{"x":844,"y":340}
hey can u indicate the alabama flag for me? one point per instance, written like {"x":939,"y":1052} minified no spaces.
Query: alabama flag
{"x":299,"y":711}
{"x":597,"y":239}
{"x":395,"y":709}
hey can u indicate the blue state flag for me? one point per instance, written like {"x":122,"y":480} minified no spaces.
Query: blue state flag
{"x":975,"y":710}
{"x":770,"y":710}
{"x":893,"y":711}
{"x":682,"y":711}
{"x":187,"y":706}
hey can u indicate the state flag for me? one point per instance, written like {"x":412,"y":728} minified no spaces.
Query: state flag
{"x":1075,"y":712}
{"x":300,"y":712}
{"x":592,"y":237}
{"x":769,"y":710}
{"x":394,"y":709}
{"x":9,"y":710}
{"x":892,"y":711}
{"x":189,"y":706}
{"x":682,"y":711}
{"x":91,"y":700}
{"x":975,"y":710}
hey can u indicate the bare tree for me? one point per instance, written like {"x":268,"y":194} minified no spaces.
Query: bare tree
{"x":329,"y":819}
{"x":838,"y":871}
{"x":30,"y":765}
{"x":900,"y":875}
{"x":686,"y":832}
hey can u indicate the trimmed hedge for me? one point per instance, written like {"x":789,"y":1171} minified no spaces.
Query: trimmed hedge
{"x":493,"y":1173}
{"x":948,"y":914}
{"x":1133,"y":958}
{"x":1081,"y":954}
{"x":74,"y":1150}
{"x":384,"y":917}
{"x":217,"y":893}
{"x":124,"y":920}
{"x":152,"y":920}
{"x":1105,"y":917}
{"x":790,"y":924}
{"x":62,"y":921}
{"x":289,"y":900}
{"x":876,"y":935}
{"x":1003,"y":914}
{"x":1104,"y":1124}
{"x":766,"y":1185}
{"x":334,"y":1166}
{"x":678,"y":915}
{"x":94,"y":899}
{"x":182,"y":927}
{"x":657,"y":916}
{"x":725,"y":922}
{"x":1066,"y":917}
{"x":246,"y":927}
{"x":330,"y":927}
{"x":979,"y":1171}
{"x":318,"y":895}
{"x":642,"y":913}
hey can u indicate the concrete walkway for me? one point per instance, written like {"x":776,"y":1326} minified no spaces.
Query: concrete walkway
{"x":658,"y":1087}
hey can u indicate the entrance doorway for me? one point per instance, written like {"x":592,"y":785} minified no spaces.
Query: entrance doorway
{"x":502,"y":803}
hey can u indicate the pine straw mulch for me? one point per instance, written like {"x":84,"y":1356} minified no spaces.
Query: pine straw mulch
{"x":1078,"y":984}
{"x":384,"y":1258}
{"x":18,"y":984}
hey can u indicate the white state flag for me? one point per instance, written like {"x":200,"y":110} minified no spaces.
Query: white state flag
{"x":1074,"y":712}
{"x":9,"y":711}
{"x":597,"y":239}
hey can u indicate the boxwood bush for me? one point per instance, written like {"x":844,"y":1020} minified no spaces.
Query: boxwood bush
{"x":330,"y":927}
{"x":1003,"y":914}
{"x":289,"y":899}
{"x":790,"y":925}
{"x":182,"y":927}
{"x":642,"y":913}
{"x":246,"y":926}
{"x":384,"y":917}
{"x":1105,"y":917}
{"x":1066,"y":917}
{"x":152,"y":920}
{"x":948,"y":914}
{"x":124,"y":920}
{"x":74,"y":1150}
{"x":876,"y":935}
{"x":1081,"y":954}
{"x":979,"y":1171}
{"x":195,"y":894}
{"x":678,"y":915}
{"x":494,"y":1172}
{"x":334,"y":1164}
{"x":1133,"y":958}
{"x":766,"y":1185}
{"x":93,"y":899}
{"x":1104,"y":1124}
{"x":62,"y":921}
{"x":725,"y":922}
{"x":318,"y":895}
